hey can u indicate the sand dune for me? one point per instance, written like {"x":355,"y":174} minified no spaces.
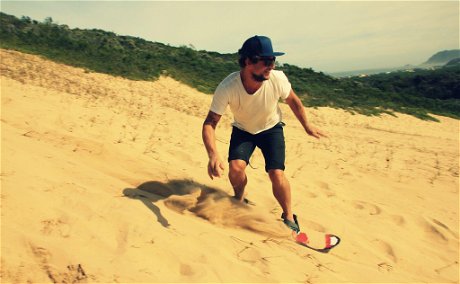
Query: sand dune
{"x":104,"y":180}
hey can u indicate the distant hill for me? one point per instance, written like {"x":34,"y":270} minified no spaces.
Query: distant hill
{"x":437,"y":60}
{"x":443,"y":57}
{"x":368,"y":71}
{"x":453,"y":62}
{"x":139,"y":59}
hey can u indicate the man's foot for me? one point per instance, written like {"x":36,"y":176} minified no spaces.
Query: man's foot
{"x":292,"y":225}
{"x":244,"y":200}
{"x":238,"y":198}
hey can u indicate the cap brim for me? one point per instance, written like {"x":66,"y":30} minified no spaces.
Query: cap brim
{"x":272,"y":54}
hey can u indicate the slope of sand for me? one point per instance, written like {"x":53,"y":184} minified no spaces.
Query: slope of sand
{"x":104,"y":180}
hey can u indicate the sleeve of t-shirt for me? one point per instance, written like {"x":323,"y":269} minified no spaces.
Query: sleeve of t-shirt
{"x":284,"y":85}
{"x":219,"y":100}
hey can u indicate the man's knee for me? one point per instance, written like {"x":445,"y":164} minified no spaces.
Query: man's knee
{"x":237,"y":167}
{"x":276,"y":176}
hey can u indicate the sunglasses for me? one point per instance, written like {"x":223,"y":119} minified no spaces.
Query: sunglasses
{"x":268,"y":61}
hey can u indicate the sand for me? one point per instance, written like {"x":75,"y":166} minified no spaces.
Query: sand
{"x":104,"y":179}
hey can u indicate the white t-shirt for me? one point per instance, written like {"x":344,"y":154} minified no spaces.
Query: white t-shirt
{"x":256,"y":112}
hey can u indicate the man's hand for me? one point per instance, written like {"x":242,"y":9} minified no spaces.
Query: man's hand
{"x":215,"y":167}
{"x":315,"y":132}
{"x":298,"y":109}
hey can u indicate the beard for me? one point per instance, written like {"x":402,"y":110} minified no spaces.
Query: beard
{"x":259,"y":78}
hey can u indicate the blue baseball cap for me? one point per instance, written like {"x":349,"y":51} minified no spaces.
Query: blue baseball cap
{"x":258,"y":46}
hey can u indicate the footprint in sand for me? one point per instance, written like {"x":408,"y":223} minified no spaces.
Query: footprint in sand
{"x":398,"y":220}
{"x":434,"y":230}
{"x":325,"y":188}
{"x":252,"y":255}
{"x":310,"y":194}
{"x":59,"y":226}
{"x":385,"y":267}
{"x":186,"y":270}
{"x":443,"y":226}
{"x":122,"y":238}
{"x":385,"y":248}
{"x":71,"y":274}
{"x":40,"y":253}
{"x":249,"y":254}
{"x":367,"y":207}
{"x":74,"y":274}
{"x":191,"y":270}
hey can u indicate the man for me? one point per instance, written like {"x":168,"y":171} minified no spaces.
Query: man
{"x":253,"y":94}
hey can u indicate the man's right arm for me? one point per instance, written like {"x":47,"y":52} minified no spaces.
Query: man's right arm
{"x":215,"y":165}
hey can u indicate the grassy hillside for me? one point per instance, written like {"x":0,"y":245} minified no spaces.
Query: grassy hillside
{"x":106,"y":52}
{"x":444,"y":56}
{"x":442,"y":84}
{"x":138,"y":59}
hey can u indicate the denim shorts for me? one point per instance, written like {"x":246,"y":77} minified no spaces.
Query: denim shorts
{"x":270,"y":142}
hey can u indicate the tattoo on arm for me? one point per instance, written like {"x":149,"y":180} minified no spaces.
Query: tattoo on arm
{"x":212,"y":119}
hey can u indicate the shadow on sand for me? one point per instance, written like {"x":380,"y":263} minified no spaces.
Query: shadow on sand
{"x":152,"y":191}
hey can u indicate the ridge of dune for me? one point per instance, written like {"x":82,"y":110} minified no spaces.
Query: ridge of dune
{"x":104,"y":180}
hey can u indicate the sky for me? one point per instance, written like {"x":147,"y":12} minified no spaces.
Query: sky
{"x":327,"y":36}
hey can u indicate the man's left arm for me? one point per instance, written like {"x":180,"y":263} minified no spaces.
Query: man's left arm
{"x":298,"y":109}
